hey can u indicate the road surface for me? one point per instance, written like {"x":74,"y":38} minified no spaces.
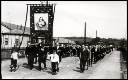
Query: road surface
{"x":107,"y":68}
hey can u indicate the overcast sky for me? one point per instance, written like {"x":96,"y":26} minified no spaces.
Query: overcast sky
{"x":109,"y":18}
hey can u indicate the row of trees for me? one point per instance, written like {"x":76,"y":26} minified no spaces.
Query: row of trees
{"x":106,"y":42}
{"x":123,"y":42}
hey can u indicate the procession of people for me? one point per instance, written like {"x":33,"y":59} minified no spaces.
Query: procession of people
{"x":39,"y":53}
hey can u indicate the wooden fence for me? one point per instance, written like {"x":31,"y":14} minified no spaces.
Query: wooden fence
{"x":6,"y":53}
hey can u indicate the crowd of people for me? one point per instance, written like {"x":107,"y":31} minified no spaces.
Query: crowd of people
{"x":88,"y":55}
{"x":123,"y":50}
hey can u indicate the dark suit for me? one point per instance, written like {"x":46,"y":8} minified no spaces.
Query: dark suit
{"x":74,"y":51}
{"x":83,"y":59}
{"x":60,"y":53}
{"x":35,"y":54}
{"x":31,"y":57}
{"x":42,"y":57}
{"x":92,"y":54}
{"x":27,"y":50}
{"x":67,"y":51}
{"x":78,"y":52}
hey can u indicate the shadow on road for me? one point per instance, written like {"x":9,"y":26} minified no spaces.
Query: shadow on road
{"x":50,"y":72}
{"x":37,"y":67}
{"x":26,"y":67}
{"x":77,"y":70}
{"x":77,"y":67}
{"x":24,"y":63}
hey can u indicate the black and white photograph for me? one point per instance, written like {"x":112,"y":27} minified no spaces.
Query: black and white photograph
{"x":41,"y":21}
{"x":63,"y":39}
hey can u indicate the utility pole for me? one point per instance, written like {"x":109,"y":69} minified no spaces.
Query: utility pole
{"x":96,"y":33}
{"x":85,"y":35}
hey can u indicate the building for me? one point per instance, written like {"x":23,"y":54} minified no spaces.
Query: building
{"x":63,"y":41}
{"x":11,"y":33}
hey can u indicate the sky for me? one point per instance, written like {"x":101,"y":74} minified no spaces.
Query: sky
{"x":109,"y":18}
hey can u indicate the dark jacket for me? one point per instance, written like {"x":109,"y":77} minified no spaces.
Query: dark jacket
{"x":42,"y":55}
{"x":31,"y":53}
{"x":85,"y":54}
{"x":27,"y":50}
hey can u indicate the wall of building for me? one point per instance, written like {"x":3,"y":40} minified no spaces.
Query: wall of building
{"x":25,"y":40}
{"x":12,"y":39}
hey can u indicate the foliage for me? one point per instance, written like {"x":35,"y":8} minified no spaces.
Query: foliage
{"x":123,"y":42}
{"x":95,"y":40}
{"x":77,"y":42}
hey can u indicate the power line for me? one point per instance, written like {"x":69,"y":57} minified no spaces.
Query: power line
{"x":75,"y":19}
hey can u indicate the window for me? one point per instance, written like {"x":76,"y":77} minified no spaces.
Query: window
{"x":6,"y":41}
{"x":17,"y":42}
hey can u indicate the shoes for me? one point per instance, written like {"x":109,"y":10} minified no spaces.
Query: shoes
{"x":45,"y":68}
{"x":14,"y":69}
{"x":58,"y":70}
{"x":82,"y":72}
{"x":54,"y":73}
{"x":11,"y":66}
{"x":30,"y":68}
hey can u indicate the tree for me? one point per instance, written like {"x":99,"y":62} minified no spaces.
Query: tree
{"x":95,"y":40}
{"x":123,"y":42}
{"x":106,"y":43}
{"x":77,"y":42}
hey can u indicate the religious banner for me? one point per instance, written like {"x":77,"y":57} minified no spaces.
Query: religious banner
{"x":41,"y":21}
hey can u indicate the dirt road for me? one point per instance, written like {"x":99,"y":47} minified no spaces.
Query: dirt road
{"x":69,"y":69}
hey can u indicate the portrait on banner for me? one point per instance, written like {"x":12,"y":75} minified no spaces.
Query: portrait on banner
{"x":41,"y":21}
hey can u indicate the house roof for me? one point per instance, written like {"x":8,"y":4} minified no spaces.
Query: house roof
{"x":16,"y":31}
{"x":15,"y":27}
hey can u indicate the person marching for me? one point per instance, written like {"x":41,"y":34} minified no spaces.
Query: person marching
{"x":44,"y":56}
{"x":74,"y":51}
{"x":92,"y":53}
{"x":14,"y":57}
{"x":31,"y":57}
{"x":27,"y":50}
{"x":35,"y":54}
{"x":59,"y":52}
{"x":83,"y":58}
{"x":54,"y":61}
{"x":40,"y":54}
{"x":78,"y":51}
{"x":95,"y":55}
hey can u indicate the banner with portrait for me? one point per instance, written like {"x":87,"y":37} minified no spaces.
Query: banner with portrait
{"x":41,"y":21}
